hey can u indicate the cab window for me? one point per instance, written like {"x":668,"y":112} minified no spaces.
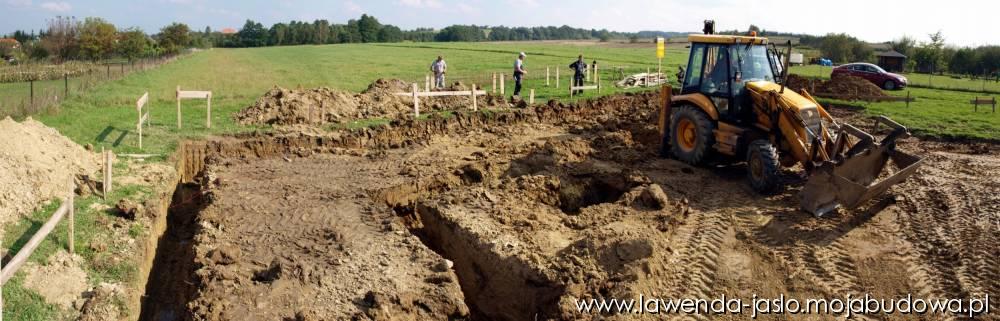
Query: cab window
{"x":716,"y":82}
{"x":692,"y":80}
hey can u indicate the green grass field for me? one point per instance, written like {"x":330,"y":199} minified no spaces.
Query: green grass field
{"x":936,"y":113}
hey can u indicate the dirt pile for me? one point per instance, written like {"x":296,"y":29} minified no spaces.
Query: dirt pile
{"x":317,"y":106}
{"x":37,"y":164}
{"x":841,"y":87}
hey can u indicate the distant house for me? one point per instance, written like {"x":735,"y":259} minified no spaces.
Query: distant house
{"x":891,"y":60}
{"x":14,"y":44}
{"x":228,"y":31}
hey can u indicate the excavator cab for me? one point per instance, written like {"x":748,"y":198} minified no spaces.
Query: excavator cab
{"x":732,"y":104}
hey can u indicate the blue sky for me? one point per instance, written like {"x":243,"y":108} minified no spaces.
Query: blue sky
{"x":964,"y":22}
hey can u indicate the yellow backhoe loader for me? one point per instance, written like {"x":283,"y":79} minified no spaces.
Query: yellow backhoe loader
{"x":732,"y":104}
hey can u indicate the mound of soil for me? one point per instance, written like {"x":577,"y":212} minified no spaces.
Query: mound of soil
{"x":317,"y":106}
{"x":37,"y":164}
{"x":841,"y":87}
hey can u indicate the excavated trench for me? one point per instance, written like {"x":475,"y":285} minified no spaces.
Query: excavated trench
{"x":171,"y":284}
{"x":495,"y":287}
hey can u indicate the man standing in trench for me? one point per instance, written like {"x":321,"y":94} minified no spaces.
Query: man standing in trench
{"x":579,"y":73}
{"x":518,"y":74}
{"x":439,"y":68}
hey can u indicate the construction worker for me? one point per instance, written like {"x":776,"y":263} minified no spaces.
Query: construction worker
{"x":518,"y":74}
{"x":579,"y":73}
{"x":439,"y":68}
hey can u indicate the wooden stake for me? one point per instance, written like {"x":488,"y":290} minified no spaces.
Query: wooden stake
{"x":416,"y":102}
{"x":427,"y":83}
{"x":178,"y":107}
{"x":597,"y":79}
{"x":503,"y":88}
{"x":494,"y":83}
{"x":547,"y":76}
{"x":72,"y":222}
{"x":208,"y":119}
{"x":647,"y":76}
{"x":557,"y":77}
{"x":531,"y":97}
{"x":475,"y":105}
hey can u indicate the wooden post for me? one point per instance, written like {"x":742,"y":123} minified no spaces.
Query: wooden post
{"x":178,"y":95}
{"x":494,"y":83}
{"x":72,"y":222}
{"x":427,"y":82}
{"x":597,"y":78}
{"x":475,"y":105}
{"x":531,"y":97}
{"x":994,"y":104}
{"x":416,"y":102}
{"x":66,"y":90}
{"x":208,"y":117}
{"x":647,"y":77}
{"x":975,"y":104}
{"x":557,"y":77}
{"x":108,"y":172}
{"x":503,"y":89}
{"x":31,"y":85}
{"x":547,"y":76}
{"x":589,"y":70}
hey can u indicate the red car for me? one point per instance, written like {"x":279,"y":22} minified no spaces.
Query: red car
{"x":872,"y":73}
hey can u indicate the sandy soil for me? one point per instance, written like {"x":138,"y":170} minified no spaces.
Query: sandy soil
{"x":552,"y":204}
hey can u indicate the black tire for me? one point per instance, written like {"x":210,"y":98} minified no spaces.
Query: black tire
{"x":763,"y":167}
{"x":703,"y":138}
{"x":889,"y":85}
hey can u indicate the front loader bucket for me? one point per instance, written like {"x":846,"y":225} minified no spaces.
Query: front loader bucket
{"x":856,"y":179}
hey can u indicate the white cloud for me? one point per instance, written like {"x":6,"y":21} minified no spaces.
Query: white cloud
{"x":353,"y":7}
{"x":19,"y":3}
{"x":420,"y":3}
{"x":523,"y":3}
{"x":61,"y":6}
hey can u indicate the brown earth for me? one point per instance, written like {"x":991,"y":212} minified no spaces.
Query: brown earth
{"x":843,"y":87}
{"x":541,"y":206}
{"x":37,"y":165}
{"x":281,"y":106}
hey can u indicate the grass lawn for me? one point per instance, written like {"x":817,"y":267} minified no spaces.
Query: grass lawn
{"x":916,"y":80}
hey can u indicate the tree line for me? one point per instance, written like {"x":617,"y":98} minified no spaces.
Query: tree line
{"x":930,"y":56}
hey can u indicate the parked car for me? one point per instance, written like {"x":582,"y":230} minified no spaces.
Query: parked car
{"x":872,"y":73}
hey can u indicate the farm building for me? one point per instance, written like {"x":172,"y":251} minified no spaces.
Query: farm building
{"x":891,"y":60}
{"x":10,"y":42}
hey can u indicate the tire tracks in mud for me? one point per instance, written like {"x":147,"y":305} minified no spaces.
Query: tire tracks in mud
{"x":949,"y":220}
{"x":829,"y":265}
{"x":698,"y":258}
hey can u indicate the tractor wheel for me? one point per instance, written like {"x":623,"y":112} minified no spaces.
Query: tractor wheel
{"x":763,"y":166}
{"x":889,"y":85}
{"x":692,"y":134}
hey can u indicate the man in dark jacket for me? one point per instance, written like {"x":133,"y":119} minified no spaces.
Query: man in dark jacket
{"x":579,"y":73}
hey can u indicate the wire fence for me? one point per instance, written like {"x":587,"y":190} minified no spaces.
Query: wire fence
{"x":23,"y":98}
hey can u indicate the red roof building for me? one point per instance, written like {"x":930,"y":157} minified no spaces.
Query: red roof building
{"x":228,"y":31}
{"x":15,"y":44}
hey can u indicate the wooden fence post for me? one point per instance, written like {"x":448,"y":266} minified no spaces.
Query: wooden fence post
{"x":557,"y":77}
{"x":66,"y":90}
{"x":975,"y":104}
{"x":178,"y":96}
{"x":208,"y":117}
{"x":427,"y":82}
{"x":416,"y":102}
{"x":531,"y":97}
{"x":547,"y":76}
{"x":72,"y":222}
{"x":475,"y":105}
{"x":597,"y":78}
{"x":31,"y":84}
{"x":494,"y":83}
{"x":647,"y":77}
{"x":503,"y":88}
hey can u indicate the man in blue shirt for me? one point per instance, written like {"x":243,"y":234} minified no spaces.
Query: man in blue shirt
{"x":579,"y":73}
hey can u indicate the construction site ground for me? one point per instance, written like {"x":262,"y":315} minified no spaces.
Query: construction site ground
{"x":513,"y":215}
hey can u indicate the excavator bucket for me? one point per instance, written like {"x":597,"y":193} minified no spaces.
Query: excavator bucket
{"x":859,"y":174}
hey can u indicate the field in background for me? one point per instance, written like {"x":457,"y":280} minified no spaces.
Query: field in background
{"x":937,"y":113}
{"x":105,"y":116}
{"x":917,"y":80}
